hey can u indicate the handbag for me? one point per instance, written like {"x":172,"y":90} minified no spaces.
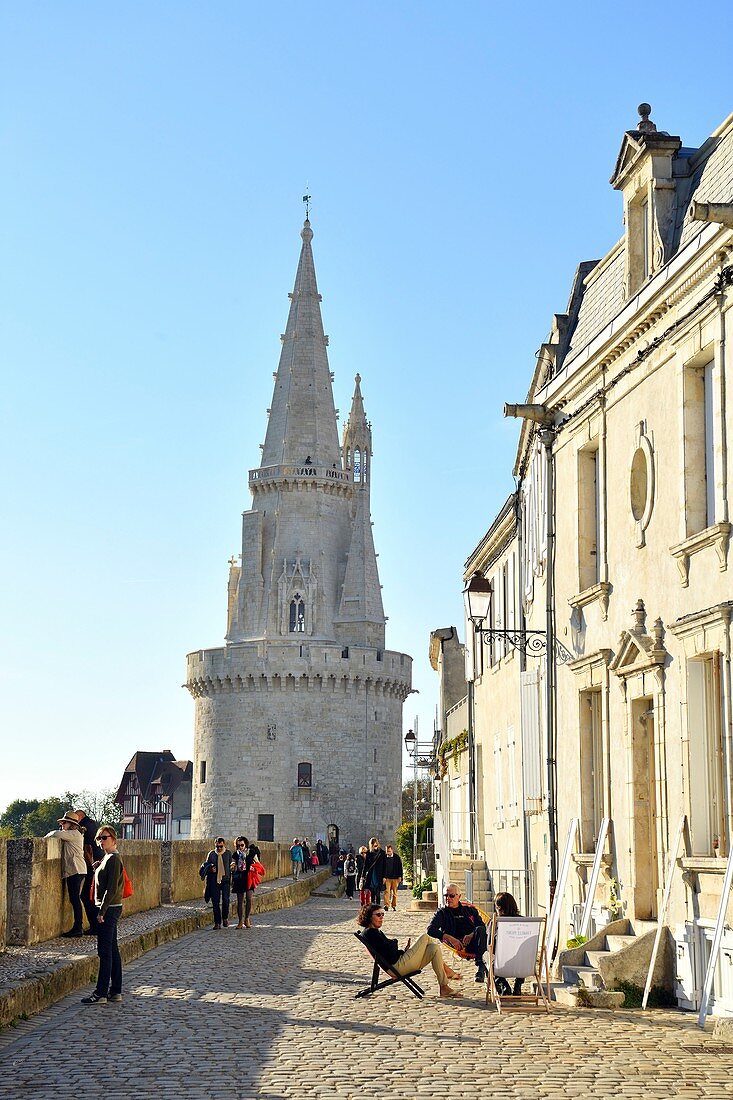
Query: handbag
{"x":126,"y":885}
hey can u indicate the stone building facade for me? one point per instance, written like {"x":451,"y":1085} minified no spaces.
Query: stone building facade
{"x":299,"y":715}
{"x":630,"y":519}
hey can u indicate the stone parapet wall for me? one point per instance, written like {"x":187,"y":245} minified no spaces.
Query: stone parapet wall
{"x":33,"y":902}
{"x":3,"y":892}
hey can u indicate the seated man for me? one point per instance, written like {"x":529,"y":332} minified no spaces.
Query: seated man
{"x":462,"y":928}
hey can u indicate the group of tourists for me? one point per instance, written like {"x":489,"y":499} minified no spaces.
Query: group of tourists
{"x":457,"y":924}
{"x":237,"y":872}
{"x":303,"y":858}
{"x":95,"y":879}
{"x":371,"y":870}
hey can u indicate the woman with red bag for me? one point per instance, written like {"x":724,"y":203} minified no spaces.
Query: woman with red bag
{"x":109,"y":890}
{"x":247,"y":873}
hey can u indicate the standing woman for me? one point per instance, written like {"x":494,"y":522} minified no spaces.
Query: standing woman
{"x":108,"y":886}
{"x":364,"y":896}
{"x":375,"y":864}
{"x":239,"y":876}
{"x":73,"y":866}
{"x":255,"y":873}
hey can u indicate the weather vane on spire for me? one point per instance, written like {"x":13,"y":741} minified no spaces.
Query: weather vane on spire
{"x":307,"y":201}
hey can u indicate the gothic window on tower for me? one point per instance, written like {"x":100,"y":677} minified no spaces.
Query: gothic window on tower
{"x":305,"y":775}
{"x":297,"y":614}
{"x":357,"y":464}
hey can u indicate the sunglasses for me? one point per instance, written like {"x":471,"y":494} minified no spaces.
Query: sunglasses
{"x":220,"y":845}
{"x":378,"y":914}
{"x":104,"y":836}
{"x":452,"y":895}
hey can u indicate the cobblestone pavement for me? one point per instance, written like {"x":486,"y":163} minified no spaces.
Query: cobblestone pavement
{"x":270,"y":1013}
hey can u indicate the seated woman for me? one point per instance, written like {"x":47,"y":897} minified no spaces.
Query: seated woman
{"x":408,"y":961}
{"x":506,"y":906}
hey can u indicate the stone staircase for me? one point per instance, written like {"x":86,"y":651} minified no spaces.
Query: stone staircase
{"x":619,"y":952}
{"x":482,"y":896}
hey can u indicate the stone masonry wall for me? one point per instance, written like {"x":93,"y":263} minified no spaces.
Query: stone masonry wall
{"x":33,"y":902}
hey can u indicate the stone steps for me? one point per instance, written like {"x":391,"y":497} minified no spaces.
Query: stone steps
{"x":583,"y":984}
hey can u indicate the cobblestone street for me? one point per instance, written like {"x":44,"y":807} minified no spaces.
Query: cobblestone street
{"x":270,"y":1012}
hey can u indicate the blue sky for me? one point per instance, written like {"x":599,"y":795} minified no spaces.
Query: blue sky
{"x":154,"y":158}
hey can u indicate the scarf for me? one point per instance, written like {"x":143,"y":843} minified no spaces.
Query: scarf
{"x":219,"y":868}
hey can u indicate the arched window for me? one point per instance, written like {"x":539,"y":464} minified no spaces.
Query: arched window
{"x":297,"y":614}
{"x":305,"y":775}
{"x":357,"y":464}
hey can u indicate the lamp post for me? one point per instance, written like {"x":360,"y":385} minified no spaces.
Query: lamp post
{"x":421,"y":753}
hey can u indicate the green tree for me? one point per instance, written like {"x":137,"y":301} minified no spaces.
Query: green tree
{"x":46,"y":815}
{"x":100,"y":805}
{"x":14,"y":817}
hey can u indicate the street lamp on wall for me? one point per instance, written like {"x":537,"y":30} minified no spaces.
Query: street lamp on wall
{"x":477,"y":600}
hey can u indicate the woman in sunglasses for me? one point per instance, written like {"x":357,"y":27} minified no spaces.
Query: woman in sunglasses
{"x":245,"y":856}
{"x":408,"y":961}
{"x":108,"y":886}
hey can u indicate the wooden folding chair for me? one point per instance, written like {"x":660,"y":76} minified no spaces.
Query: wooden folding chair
{"x":381,"y":963}
{"x":517,"y":949}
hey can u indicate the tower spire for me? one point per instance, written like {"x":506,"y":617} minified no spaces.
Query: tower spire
{"x":301,"y":428}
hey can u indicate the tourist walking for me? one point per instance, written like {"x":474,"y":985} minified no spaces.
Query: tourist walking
{"x":109,"y":881}
{"x":296,"y":858}
{"x":364,"y":895}
{"x":246,"y":855}
{"x":374,"y":862}
{"x":217,"y":871}
{"x":306,"y":854}
{"x":73,"y":867}
{"x":350,"y":874}
{"x":392,"y":877}
{"x":413,"y":958}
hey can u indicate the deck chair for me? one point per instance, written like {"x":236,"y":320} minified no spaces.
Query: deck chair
{"x":392,"y":978}
{"x":517,"y":950}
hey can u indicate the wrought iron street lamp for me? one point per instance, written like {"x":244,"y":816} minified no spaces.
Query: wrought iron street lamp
{"x":421,"y":754}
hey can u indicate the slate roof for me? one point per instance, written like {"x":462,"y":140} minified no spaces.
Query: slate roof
{"x":710,"y":179}
{"x":156,"y":767}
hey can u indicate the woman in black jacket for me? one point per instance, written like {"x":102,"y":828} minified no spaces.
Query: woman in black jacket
{"x":374,"y":866}
{"x":412,"y":959}
{"x":244,"y":856}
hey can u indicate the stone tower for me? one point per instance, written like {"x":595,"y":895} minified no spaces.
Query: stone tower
{"x":299,"y":715}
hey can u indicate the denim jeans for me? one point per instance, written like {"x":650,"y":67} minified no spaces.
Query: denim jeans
{"x":109,"y":979}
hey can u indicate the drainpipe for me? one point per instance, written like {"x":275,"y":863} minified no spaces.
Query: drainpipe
{"x":547,"y":438}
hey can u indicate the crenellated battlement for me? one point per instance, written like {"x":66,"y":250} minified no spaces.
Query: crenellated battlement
{"x":308,"y":667}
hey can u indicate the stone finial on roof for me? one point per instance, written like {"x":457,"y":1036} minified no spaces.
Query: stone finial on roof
{"x":646,"y":126}
{"x":307,"y":233}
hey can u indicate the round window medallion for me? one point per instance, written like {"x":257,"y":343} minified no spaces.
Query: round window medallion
{"x":639,"y":483}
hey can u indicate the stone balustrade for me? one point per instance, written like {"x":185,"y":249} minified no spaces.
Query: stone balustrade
{"x":33,"y":902}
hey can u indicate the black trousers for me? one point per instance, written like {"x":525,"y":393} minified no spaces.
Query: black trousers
{"x":219,"y":894}
{"x":73,"y":886}
{"x":350,"y":883}
{"x":109,"y":979}
{"x":477,"y":946}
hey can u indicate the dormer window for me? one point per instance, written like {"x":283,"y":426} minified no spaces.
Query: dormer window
{"x":646,"y":172}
